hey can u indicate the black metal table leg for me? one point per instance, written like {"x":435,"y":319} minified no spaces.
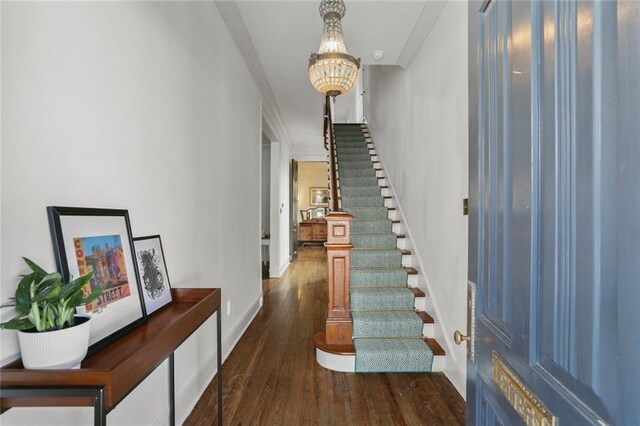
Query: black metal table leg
{"x":172,"y":390}
{"x":99,"y":409}
{"x":219,"y":350}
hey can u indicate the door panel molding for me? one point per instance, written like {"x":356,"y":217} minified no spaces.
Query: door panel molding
{"x":494,"y":168}
{"x":570,"y":395}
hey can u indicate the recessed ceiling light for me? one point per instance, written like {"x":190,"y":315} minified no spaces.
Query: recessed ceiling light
{"x":378,"y":54}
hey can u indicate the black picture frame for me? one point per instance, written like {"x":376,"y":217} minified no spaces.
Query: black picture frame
{"x":100,"y":240}
{"x":152,"y":268}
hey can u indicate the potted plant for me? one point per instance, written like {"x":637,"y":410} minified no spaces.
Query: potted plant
{"x":49,"y":332}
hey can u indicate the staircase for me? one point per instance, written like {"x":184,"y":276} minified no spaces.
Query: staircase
{"x":391,"y":330}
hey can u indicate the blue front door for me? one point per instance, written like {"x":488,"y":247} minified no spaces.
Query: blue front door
{"x":554,"y":247}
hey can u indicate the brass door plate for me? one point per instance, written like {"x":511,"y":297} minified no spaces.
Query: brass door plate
{"x":520,"y":397}
{"x":465,"y":207}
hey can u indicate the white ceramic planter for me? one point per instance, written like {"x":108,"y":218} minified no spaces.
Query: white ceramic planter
{"x":57,"y":349}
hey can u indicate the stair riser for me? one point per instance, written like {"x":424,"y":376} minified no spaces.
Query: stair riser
{"x":386,"y":324}
{"x":348,"y":149}
{"x":351,"y":141}
{"x":354,"y":157}
{"x":420,"y":303}
{"x":356,"y":191}
{"x":373,"y":258}
{"x":353,"y":181}
{"x":378,"y":278}
{"x":428,"y":330}
{"x":373,"y":201}
{"x":361,"y":171}
{"x":412,"y":281}
{"x":380,"y":241}
{"x":368,"y":212}
{"x":371,"y":226}
{"x":360,"y":164}
{"x":342,"y":153}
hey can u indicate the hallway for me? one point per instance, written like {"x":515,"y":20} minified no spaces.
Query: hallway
{"x":271,"y":377}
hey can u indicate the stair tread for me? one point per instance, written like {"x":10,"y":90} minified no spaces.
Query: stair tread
{"x":320,"y":342}
{"x":417,"y":292}
{"x":425,"y":317}
{"x":411,"y":271}
{"x":434,"y":346}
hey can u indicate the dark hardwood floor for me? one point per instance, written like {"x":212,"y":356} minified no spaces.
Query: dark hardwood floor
{"x":271,"y":377}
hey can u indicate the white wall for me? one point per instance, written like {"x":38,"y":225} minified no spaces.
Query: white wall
{"x":146,"y":106}
{"x":418,"y":119}
{"x":279,"y":244}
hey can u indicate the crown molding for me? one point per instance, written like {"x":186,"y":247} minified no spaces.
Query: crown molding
{"x":422,"y":29}
{"x":233,"y":19}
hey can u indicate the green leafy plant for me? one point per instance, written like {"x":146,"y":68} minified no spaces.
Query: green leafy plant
{"x":45,"y":302}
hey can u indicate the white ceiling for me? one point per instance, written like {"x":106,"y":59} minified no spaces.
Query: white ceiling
{"x":276,"y":38}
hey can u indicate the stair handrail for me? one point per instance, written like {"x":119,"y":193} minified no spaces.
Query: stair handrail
{"x":330,"y":145}
{"x":338,"y":325}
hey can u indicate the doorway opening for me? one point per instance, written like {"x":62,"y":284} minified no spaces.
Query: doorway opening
{"x":313,"y":202}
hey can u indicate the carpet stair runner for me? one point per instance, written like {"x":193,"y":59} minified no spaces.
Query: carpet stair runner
{"x":387,"y":332}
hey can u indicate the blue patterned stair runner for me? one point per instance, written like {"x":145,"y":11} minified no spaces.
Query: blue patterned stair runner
{"x":387,"y":333}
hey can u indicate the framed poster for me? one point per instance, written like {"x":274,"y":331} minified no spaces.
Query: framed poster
{"x":318,"y":196}
{"x":99,"y":240}
{"x":156,"y":288}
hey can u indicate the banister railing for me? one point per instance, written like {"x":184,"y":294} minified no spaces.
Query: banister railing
{"x":330,"y":144}
{"x":338,"y":327}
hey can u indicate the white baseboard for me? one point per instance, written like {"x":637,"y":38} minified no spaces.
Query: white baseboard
{"x":197,"y":384}
{"x":230,"y":342}
{"x":283,"y":268}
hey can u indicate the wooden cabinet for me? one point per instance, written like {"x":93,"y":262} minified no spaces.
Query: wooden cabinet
{"x":314,"y":230}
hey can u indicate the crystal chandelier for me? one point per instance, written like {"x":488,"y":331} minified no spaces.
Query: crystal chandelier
{"x":332,"y":70}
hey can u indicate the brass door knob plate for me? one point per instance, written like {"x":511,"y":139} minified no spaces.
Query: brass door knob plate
{"x":459,"y":337}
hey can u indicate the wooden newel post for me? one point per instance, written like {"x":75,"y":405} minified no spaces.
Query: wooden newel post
{"x":339,"y":328}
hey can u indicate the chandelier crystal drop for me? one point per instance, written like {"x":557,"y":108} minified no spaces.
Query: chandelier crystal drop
{"x":332,"y":70}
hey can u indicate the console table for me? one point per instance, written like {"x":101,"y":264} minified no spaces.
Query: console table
{"x":108,"y":375}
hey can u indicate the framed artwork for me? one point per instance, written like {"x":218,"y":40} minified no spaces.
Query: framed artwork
{"x":156,"y":288}
{"x":99,"y":240}
{"x":318,"y":196}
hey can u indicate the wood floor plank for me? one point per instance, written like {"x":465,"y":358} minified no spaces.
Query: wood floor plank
{"x":271,"y":377}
